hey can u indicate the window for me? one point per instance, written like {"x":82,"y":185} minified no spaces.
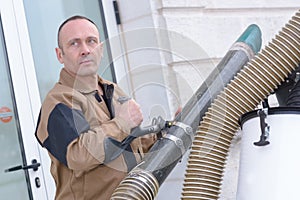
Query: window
{"x":44,"y":18}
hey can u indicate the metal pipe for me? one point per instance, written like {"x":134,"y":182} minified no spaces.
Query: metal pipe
{"x":166,"y":152}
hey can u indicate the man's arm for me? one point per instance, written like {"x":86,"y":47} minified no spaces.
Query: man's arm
{"x":73,"y":142}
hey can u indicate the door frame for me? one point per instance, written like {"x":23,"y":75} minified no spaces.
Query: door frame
{"x":26,"y":92}
{"x":116,"y":42}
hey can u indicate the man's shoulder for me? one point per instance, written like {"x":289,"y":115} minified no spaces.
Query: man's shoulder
{"x":105,"y":81}
{"x":117,"y":88}
{"x":58,"y":93}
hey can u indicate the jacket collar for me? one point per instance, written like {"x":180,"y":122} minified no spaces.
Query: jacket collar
{"x":68,"y":80}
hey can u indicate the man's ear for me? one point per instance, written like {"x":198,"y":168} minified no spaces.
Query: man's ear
{"x":59,"y":55}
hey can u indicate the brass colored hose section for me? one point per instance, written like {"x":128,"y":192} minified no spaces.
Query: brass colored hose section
{"x":139,"y":184}
{"x":250,"y":86}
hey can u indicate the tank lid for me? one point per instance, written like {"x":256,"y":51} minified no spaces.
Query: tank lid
{"x":271,"y":111}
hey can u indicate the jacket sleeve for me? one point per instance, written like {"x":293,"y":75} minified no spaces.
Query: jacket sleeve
{"x":73,"y":142}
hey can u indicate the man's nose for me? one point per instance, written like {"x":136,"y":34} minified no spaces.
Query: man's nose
{"x":85,"y":50}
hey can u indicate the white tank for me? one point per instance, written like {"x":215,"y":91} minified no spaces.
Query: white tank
{"x":270,"y":172}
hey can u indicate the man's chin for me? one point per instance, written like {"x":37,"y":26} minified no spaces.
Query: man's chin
{"x":87,"y":72}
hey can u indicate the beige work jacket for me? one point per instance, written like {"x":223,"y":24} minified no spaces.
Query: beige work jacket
{"x":75,"y":126}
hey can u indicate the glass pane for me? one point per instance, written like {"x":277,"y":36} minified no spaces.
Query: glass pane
{"x":43,"y":18}
{"x":13,"y":185}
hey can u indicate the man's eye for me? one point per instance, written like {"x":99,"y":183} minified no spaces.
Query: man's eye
{"x":74,"y":43}
{"x":92,"y":41}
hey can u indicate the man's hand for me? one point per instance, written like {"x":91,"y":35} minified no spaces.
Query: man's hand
{"x":130,"y":112}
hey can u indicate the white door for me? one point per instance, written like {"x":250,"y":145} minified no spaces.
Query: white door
{"x":28,"y":69}
{"x":21,"y":174}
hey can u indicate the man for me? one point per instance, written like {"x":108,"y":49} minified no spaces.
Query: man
{"x":82,"y":123}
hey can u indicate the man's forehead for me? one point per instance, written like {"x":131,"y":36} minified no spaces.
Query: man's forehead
{"x":79,"y":27}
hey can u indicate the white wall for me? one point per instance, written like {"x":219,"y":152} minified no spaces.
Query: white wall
{"x":143,"y":51}
{"x":197,"y":34}
{"x":214,"y":26}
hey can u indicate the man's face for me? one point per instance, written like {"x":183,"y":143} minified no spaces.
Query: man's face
{"x":80,"y":48}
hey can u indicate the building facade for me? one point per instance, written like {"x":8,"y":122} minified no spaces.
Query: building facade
{"x":158,"y":51}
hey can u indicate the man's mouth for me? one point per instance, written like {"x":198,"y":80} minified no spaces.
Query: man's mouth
{"x":85,"y":61}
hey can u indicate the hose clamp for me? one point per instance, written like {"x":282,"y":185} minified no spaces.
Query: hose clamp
{"x":187,"y":129}
{"x":177,"y":141}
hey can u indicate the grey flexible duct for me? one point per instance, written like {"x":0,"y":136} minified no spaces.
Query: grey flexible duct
{"x":254,"y":83}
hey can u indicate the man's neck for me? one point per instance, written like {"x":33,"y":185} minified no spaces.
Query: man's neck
{"x":91,"y":81}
